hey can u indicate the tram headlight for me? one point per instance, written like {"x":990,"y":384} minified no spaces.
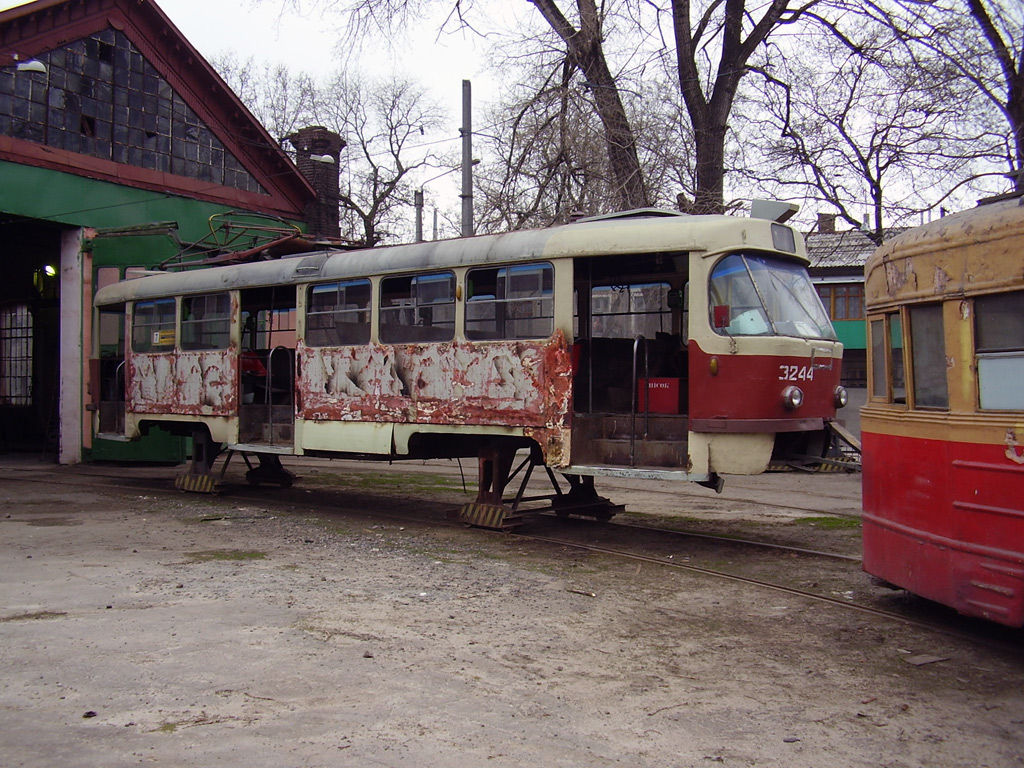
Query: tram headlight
{"x":841,"y":397}
{"x":792,"y":397}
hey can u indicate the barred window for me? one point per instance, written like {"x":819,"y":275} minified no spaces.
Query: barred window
{"x":100,"y":96}
{"x":15,"y":355}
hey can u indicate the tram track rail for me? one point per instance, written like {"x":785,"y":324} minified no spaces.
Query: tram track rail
{"x":731,"y":496}
{"x":159,"y":486}
{"x":991,"y":635}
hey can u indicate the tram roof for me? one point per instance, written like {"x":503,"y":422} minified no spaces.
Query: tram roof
{"x":619,"y":234}
{"x":967,"y":253}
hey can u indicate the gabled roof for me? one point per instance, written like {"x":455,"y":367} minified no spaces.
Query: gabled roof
{"x":46,"y":26}
{"x":842,"y":250}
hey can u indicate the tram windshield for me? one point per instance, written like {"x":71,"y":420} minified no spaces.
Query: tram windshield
{"x":765,"y":296}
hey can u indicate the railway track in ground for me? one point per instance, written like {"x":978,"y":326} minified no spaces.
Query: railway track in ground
{"x":827,"y":578}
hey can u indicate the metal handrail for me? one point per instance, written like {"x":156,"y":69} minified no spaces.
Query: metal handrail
{"x":269,"y":387}
{"x":647,"y":398}
{"x":121,"y":397}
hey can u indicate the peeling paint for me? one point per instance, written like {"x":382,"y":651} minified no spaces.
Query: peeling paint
{"x":897,"y":279}
{"x":187,"y":382}
{"x":1013,"y":452}
{"x":502,"y":383}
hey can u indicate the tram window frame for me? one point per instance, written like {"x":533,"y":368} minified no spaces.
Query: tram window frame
{"x":928,"y":357}
{"x":500,"y":307}
{"x":999,"y":322}
{"x":346,"y":321}
{"x":635,"y":318}
{"x":206,"y":321}
{"x":154,"y":332}
{"x":888,"y":378}
{"x":999,"y":349}
{"x":428,"y":314}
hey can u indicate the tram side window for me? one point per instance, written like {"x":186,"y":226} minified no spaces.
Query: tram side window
{"x":928,"y":357}
{"x":510,"y":302}
{"x":999,"y":343}
{"x":887,"y":377}
{"x":206,"y":321}
{"x":417,"y":308}
{"x":338,"y":314}
{"x":153,"y":326}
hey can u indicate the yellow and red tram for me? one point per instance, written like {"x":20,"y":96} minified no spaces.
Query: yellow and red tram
{"x":644,"y":344}
{"x":943,"y":429}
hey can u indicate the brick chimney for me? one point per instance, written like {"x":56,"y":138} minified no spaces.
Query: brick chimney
{"x":826,"y":223}
{"x":313,"y":146}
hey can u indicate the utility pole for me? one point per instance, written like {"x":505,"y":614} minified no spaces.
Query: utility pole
{"x":467,"y":159}
{"x":418,"y":202}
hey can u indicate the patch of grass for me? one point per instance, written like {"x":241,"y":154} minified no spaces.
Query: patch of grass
{"x":167,"y":728}
{"x":36,"y":616}
{"x":53,"y":522}
{"x":378,"y":481}
{"x":831,"y":523}
{"x":229,"y":555}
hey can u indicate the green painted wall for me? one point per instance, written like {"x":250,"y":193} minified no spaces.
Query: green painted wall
{"x":41,"y":194}
{"x":853,"y":333}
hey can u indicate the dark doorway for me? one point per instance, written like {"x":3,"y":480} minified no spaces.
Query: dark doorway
{"x":30,"y":363}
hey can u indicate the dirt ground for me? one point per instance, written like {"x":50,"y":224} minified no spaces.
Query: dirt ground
{"x":141,"y":627}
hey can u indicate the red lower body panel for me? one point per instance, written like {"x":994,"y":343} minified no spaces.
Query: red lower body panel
{"x":945,"y":520}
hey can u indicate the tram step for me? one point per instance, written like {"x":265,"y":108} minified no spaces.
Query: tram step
{"x":654,"y":426}
{"x":277,"y":433}
{"x":645,"y":453}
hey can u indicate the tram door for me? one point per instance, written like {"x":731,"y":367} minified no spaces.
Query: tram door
{"x":267,"y":367}
{"x":630,"y":385}
{"x":107,"y":375}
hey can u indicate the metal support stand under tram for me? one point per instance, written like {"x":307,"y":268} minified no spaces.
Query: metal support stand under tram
{"x":492,"y":510}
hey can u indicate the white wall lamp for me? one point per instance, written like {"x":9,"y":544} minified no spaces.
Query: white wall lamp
{"x":32,"y":65}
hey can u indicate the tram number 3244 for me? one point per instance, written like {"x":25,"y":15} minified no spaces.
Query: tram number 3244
{"x":796,"y":373}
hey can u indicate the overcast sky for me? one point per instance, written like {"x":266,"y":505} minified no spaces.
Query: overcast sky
{"x":308,"y":43}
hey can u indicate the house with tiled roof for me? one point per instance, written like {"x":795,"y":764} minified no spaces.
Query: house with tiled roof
{"x":837,"y":270}
{"x":120,"y":147}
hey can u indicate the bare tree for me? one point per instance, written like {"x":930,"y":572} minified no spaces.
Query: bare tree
{"x":385,"y":124}
{"x":548,"y":147}
{"x":713,"y":45}
{"x":279,"y":99}
{"x":732,"y":31}
{"x":548,"y":150}
{"x":988,"y":53}
{"x":584,"y":45}
{"x":866,"y":126}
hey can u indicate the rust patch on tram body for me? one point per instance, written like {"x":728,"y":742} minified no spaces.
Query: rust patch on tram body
{"x":194,"y":383}
{"x":497,"y":383}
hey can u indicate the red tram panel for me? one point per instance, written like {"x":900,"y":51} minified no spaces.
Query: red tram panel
{"x":943,"y":474}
